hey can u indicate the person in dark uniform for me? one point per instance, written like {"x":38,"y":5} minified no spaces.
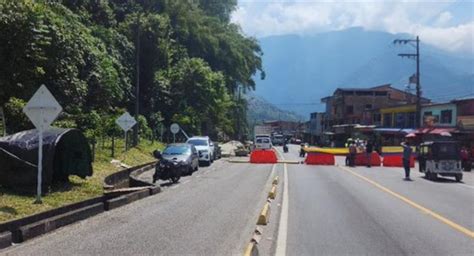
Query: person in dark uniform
{"x":406,"y":158}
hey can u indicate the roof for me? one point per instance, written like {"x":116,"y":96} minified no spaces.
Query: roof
{"x":468,"y":97}
{"x":394,"y":130}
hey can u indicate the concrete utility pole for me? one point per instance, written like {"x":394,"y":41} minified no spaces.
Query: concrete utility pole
{"x":137,"y":92}
{"x":415,"y":56}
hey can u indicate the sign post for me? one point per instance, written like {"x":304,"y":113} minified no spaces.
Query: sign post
{"x":42,"y":110}
{"x":126,"y":122}
{"x":174,"y":129}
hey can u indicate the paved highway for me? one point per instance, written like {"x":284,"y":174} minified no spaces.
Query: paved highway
{"x":372,"y":211}
{"x":212,"y":212}
{"x":326,"y":210}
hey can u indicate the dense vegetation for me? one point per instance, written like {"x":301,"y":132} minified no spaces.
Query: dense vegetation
{"x":192,"y":63}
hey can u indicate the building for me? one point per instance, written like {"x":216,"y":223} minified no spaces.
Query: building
{"x":439,"y":115}
{"x":465,"y":113}
{"x":283,"y":127}
{"x":398,"y":117}
{"x":361,"y":105}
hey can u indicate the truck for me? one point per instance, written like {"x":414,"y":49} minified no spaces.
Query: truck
{"x":262,"y":138}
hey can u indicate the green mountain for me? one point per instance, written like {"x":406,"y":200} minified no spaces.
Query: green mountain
{"x":260,"y":110}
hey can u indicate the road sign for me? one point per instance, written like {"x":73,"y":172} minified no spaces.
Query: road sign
{"x":42,"y":110}
{"x":174,"y":128}
{"x":126,"y":121}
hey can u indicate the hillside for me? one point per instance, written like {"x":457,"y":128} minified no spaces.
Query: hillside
{"x":303,"y":69}
{"x":260,"y":110}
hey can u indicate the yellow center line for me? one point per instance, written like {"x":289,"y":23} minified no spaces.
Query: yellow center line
{"x":435,"y":215}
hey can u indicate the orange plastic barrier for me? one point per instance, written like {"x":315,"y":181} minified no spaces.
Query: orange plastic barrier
{"x":314,"y":158}
{"x":361,"y":159}
{"x":396,"y":160}
{"x":263,"y":157}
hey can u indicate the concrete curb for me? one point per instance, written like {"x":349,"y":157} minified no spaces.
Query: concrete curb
{"x":154,"y":190}
{"x":47,"y":225}
{"x":264,"y":216}
{"x":5,"y":239}
{"x":135,"y":196}
{"x":115,"y":203}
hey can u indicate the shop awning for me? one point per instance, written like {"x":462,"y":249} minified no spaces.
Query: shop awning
{"x":393,"y":130}
{"x":435,"y":131}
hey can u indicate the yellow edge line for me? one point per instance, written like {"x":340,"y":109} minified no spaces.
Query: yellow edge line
{"x":446,"y":221}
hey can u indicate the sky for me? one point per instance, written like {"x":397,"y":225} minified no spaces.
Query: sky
{"x":446,"y":24}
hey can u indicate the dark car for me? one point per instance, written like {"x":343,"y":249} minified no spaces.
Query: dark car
{"x":184,"y":153}
{"x":217,"y":151}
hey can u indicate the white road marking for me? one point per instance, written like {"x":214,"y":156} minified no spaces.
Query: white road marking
{"x":283,"y":227}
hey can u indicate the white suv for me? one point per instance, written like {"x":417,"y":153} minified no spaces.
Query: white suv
{"x":205,"y":148}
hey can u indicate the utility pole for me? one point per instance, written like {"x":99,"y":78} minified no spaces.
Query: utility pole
{"x":137,"y":92}
{"x":415,"y":56}
{"x":239,"y":113}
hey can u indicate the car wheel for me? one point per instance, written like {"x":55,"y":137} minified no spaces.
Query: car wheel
{"x":458,"y":177}
{"x":190,"y":170}
{"x":208,"y":163}
{"x":175,"y":179}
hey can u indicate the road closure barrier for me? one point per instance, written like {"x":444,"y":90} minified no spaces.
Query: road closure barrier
{"x":396,"y":160}
{"x":316,"y":158}
{"x":263,"y":157}
{"x":361,"y":159}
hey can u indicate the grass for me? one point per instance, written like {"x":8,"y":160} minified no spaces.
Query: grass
{"x":14,"y":205}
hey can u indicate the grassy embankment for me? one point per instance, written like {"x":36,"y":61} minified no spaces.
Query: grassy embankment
{"x":13,"y":205}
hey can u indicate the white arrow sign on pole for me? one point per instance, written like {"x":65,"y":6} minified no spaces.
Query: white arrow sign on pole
{"x":42,"y":110}
{"x":126,"y":122}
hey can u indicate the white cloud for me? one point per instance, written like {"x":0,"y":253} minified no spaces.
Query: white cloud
{"x":443,"y":19}
{"x":428,"y":19}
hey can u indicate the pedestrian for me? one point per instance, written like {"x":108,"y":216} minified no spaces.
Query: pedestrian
{"x":369,"y":148}
{"x":352,"y":154}
{"x":406,"y":158}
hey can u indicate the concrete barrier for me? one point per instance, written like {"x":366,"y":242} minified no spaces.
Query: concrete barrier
{"x":272,"y":193}
{"x":264,"y":216}
{"x":251,"y":249}
{"x":5,"y":239}
{"x":275,"y":180}
{"x":44,"y":226}
{"x":115,"y":203}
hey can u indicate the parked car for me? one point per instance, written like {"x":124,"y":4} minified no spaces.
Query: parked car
{"x":205,"y":148}
{"x":217,"y":151}
{"x":176,"y":160}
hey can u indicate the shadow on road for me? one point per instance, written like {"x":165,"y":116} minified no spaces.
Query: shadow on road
{"x":442,"y":180}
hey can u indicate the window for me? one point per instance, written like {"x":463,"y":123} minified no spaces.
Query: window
{"x":428,"y":113}
{"x":411,"y":120}
{"x":400,"y":120}
{"x":368,"y":106}
{"x":377,"y":118}
{"x":387,"y":120}
{"x":446,"y":116}
{"x":349,"y":110}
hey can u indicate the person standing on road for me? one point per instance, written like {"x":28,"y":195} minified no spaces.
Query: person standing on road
{"x":369,"y":148}
{"x":406,"y":158}
{"x":352,"y":154}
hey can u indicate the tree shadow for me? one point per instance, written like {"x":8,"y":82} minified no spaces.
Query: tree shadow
{"x":8,"y":210}
{"x":442,"y":180}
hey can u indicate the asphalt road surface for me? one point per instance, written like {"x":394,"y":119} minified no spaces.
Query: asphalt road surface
{"x":336,"y":210}
{"x":212,"y":212}
{"x":324,"y":210}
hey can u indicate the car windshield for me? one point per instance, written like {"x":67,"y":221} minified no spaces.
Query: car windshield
{"x":177,"y":150}
{"x":198,"y":142}
{"x":263,"y":140}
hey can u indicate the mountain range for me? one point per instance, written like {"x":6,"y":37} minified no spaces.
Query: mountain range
{"x":300,"y":70}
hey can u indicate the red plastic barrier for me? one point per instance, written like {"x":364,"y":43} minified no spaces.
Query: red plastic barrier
{"x":361,"y":159}
{"x":396,"y":160}
{"x":263,"y":157}
{"x":314,"y":158}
